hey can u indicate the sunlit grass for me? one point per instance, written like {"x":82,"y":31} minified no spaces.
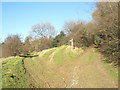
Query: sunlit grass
{"x":62,"y":53}
{"x":113,"y":71}
{"x":90,"y":58}
{"x":48,"y":53}
{"x":58,"y":57}
{"x":13,"y":74}
{"x":70,"y":54}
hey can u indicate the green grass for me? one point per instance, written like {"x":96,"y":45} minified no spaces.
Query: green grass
{"x":70,"y":55}
{"x":113,"y":71}
{"x":13,"y":74}
{"x":61,"y":54}
{"x":31,"y":61}
{"x":90,"y":58}
{"x":47,"y":54}
{"x":58,"y":57}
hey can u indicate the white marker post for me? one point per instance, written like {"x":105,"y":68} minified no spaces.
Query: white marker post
{"x":71,"y":42}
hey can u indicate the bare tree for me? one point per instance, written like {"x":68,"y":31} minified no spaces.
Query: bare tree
{"x":68,"y":25}
{"x":42,"y":30}
{"x":12,"y":45}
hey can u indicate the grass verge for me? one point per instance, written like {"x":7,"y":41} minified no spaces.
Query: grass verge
{"x":13,"y":74}
{"x":113,"y":71}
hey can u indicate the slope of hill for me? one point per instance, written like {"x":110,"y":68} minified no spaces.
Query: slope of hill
{"x":60,"y":54}
{"x":14,"y":74}
{"x":60,"y":67}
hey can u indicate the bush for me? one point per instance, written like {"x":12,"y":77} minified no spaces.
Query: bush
{"x":106,"y":38}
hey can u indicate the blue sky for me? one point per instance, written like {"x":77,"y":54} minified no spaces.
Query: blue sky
{"x":19,"y":17}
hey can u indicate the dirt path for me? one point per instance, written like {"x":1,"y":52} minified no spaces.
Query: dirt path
{"x":72,"y":74}
{"x":93,"y":74}
{"x":75,"y":77}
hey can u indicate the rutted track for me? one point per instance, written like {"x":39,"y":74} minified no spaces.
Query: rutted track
{"x":71,"y":74}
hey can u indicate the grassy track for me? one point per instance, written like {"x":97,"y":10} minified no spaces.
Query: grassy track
{"x":69,"y":68}
{"x":47,"y":54}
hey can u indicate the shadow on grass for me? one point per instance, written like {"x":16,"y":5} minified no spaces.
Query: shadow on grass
{"x":28,"y":56}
